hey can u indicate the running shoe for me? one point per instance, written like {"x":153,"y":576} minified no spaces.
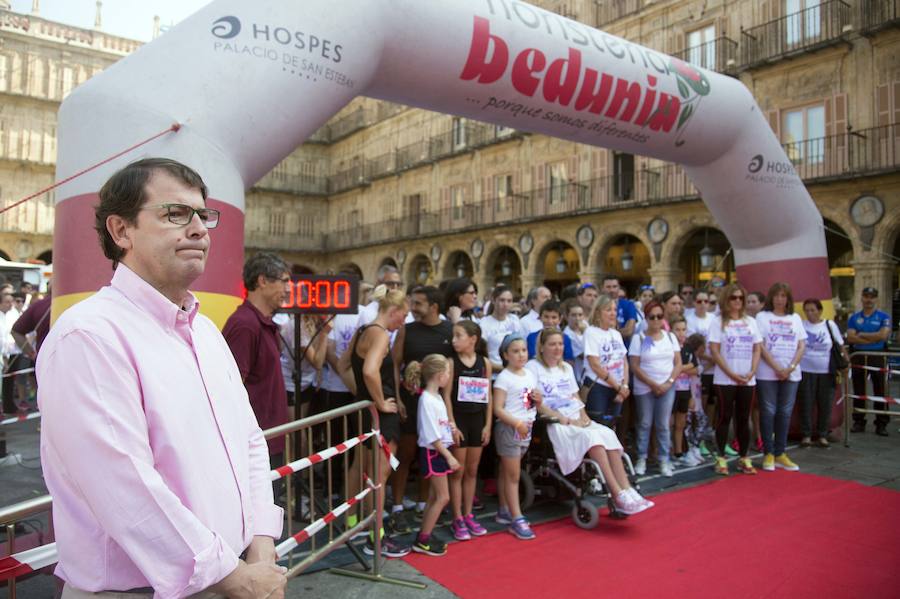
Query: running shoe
{"x":398,"y":523}
{"x":628,"y":504}
{"x":477,"y":504}
{"x":433,"y":546}
{"x":640,"y":466}
{"x":632,"y":492}
{"x":503,"y":516}
{"x":666,"y":469}
{"x":408,"y":503}
{"x":745,"y":466}
{"x":521,"y":529}
{"x":389,"y":547}
{"x":704,"y":451}
{"x":721,"y":466}
{"x":730,"y":450}
{"x":460,"y":530}
{"x":806,"y":442}
{"x":475,"y":529}
{"x":768,"y":463}
{"x":784,"y":462}
{"x":823,"y":442}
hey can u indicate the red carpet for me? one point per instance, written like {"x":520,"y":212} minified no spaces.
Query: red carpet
{"x":778,"y":534}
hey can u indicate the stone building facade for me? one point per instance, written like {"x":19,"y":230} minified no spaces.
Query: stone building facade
{"x":439,"y":196}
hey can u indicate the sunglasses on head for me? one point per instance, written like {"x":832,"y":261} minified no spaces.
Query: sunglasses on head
{"x":736,"y":297}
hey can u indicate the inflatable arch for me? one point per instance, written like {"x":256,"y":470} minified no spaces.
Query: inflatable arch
{"x":249,"y":82}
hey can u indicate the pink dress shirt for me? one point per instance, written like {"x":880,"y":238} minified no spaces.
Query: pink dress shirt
{"x":158,"y":469}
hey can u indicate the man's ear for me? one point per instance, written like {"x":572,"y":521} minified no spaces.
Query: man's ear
{"x":117,"y":227}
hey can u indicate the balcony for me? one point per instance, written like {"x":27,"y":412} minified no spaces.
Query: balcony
{"x":612,"y":10}
{"x":352,"y":176}
{"x":720,"y":55}
{"x":794,"y":34}
{"x":348,"y":124}
{"x":876,"y":15}
{"x":294,"y":242}
{"x":281,"y":179}
{"x":847,"y":155}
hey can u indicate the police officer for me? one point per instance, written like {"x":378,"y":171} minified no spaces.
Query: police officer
{"x":868,"y":330}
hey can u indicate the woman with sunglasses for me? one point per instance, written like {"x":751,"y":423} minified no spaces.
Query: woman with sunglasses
{"x":605,"y":366}
{"x":461,"y":299}
{"x":655,"y":358}
{"x":734,"y":344}
{"x":784,"y":342}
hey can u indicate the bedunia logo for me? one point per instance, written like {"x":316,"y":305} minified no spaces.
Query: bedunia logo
{"x":226,"y":27}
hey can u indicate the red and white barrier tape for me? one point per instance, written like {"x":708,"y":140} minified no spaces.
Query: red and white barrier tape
{"x":26,"y":562}
{"x":325,"y":454}
{"x":895,"y":400}
{"x":288,"y":545}
{"x":875,"y":369}
{"x":21,"y":418}
{"x":18,"y":372}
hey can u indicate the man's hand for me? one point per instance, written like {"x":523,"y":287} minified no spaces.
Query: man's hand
{"x":261,"y":549}
{"x":261,"y":580}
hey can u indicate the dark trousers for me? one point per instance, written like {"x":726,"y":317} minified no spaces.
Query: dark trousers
{"x":816,"y":389}
{"x":602,"y":400}
{"x":17,"y":362}
{"x":734,"y":402}
{"x":858,"y":377}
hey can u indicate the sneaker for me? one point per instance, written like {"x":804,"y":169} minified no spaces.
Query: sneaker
{"x":745,"y":466}
{"x":666,"y":469}
{"x":769,"y":463}
{"x":859,"y":427}
{"x":640,"y":467}
{"x":805,"y":442}
{"x":881,"y":430}
{"x":704,"y":451}
{"x":730,"y":451}
{"x":721,"y":466}
{"x":433,"y":546}
{"x":408,"y":503}
{"x":823,"y":442}
{"x":475,"y":529}
{"x":696,"y":457}
{"x":460,"y":530}
{"x":420,"y":512}
{"x":398,"y":523}
{"x":629,"y":505}
{"x":784,"y":462}
{"x":503,"y":516}
{"x":389,"y":547}
{"x":477,"y":505}
{"x":521,"y":529}
{"x":632,"y":492}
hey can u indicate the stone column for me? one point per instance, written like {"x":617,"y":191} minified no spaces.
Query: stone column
{"x":873,"y":272}
{"x":590,"y":275}
{"x":664,"y":278}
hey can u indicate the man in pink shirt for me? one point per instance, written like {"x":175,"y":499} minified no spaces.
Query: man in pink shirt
{"x":158,"y":469}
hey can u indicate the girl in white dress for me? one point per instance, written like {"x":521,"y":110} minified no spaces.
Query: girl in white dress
{"x":575,"y":435}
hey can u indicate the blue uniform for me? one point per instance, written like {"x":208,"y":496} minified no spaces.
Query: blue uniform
{"x":531,"y":342}
{"x":625,"y":311}
{"x":873,"y":323}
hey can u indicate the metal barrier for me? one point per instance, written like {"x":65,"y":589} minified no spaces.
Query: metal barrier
{"x":880,"y":367}
{"x":300,"y":435}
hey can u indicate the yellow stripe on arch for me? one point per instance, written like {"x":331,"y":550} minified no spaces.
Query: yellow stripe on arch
{"x":215,"y":306}
{"x":827,"y":309}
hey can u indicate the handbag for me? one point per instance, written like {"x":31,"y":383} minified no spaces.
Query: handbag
{"x":836,"y":361}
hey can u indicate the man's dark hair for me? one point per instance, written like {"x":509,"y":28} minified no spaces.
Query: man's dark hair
{"x":19,"y":296}
{"x":551,"y":306}
{"x":123,"y":195}
{"x":432,"y":295}
{"x":266,"y":264}
{"x":609,"y":277}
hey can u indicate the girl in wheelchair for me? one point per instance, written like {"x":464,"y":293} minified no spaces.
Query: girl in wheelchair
{"x":573,"y":434}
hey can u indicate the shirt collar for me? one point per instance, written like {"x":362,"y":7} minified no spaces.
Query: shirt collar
{"x":265,"y":320}
{"x":149,"y":299}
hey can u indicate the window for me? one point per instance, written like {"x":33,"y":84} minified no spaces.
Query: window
{"x":502,"y":131}
{"x":276,"y":223}
{"x":556,"y":174}
{"x":623,"y":176}
{"x":503,"y":191}
{"x":701,"y":45}
{"x":459,"y":133}
{"x":411,"y":205}
{"x":458,"y":201}
{"x":804,"y":20}
{"x":803,"y":133}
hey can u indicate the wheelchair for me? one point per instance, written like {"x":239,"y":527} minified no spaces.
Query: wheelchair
{"x":541,"y":479}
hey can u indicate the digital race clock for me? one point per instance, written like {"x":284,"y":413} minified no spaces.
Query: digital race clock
{"x":323,"y":294}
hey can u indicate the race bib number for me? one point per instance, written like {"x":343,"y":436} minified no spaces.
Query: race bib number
{"x":473,"y":389}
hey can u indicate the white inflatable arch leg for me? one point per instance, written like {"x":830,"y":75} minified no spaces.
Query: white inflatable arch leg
{"x":249,"y":81}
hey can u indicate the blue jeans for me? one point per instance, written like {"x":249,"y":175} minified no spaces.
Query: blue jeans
{"x":776,"y":403}
{"x":601,"y":400}
{"x":655,"y":411}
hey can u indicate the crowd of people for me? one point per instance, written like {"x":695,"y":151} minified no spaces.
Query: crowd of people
{"x":24,"y":322}
{"x":678,"y":378}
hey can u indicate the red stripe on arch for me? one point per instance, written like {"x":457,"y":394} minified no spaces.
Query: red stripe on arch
{"x":79,"y":264}
{"x":808,"y":277}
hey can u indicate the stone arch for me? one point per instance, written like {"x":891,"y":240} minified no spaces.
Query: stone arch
{"x":351,"y":267}
{"x":46,"y":256}
{"x":302,"y":269}
{"x":611,"y":255}
{"x":388,"y":261}
{"x":456,"y":262}
{"x":504,"y":266}
{"x":688,"y":260}
{"x":420,"y":270}
{"x":5,"y":255}
{"x":557,"y":265}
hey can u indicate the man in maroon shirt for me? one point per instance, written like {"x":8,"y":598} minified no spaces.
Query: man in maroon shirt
{"x":253,"y":339}
{"x":35,"y":319}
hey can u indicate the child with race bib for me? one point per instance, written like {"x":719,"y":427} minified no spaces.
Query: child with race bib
{"x":515,"y":405}
{"x":435,"y":439}
{"x":473,"y":413}
{"x":576,"y":435}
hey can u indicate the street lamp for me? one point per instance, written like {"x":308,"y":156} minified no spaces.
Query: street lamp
{"x":505,"y":266}
{"x":423,"y":273}
{"x":561,"y":261}
{"x":707,"y":255}
{"x":460,"y":269}
{"x":627,"y":260}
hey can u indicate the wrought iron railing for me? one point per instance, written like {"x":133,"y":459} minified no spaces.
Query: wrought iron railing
{"x":611,"y":10}
{"x":348,"y":124}
{"x":720,"y":55}
{"x":875,"y":15}
{"x":847,"y":154}
{"x":809,"y":29}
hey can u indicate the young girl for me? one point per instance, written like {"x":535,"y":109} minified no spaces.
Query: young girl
{"x":697,"y":430}
{"x":575,"y":434}
{"x":689,"y":370}
{"x":471,"y":402}
{"x":576,"y":325}
{"x":499,"y":323}
{"x":515,"y":405}
{"x":435,"y":439}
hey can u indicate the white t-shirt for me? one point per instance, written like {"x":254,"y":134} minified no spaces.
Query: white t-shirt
{"x":342,"y":328}
{"x":493,"y":331}
{"x":517,"y":388}
{"x":695,"y":324}
{"x":531,"y":322}
{"x":433,"y":423}
{"x":657,"y":359}
{"x":817,"y":356}
{"x":610,"y":348}
{"x":577,"y":340}
{"x":781,"y":335}
{"x":558,"y":387}
{"x":736,"y":347}
{"x":7,"y":320}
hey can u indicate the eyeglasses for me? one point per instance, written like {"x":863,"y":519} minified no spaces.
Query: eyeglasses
{"x":736,"y":297}
{"x":470,"y":292}
{"x":655,"y":317}
{"x":285,"y":279}
{"x":182,"y":214}
{"x":687,"y":292}
{"x":393,"y":284}
{"x":701,"y":301}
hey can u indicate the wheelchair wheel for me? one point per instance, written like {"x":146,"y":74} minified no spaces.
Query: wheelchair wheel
{"x":526,"y":490}
{"x":585,"y":515}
